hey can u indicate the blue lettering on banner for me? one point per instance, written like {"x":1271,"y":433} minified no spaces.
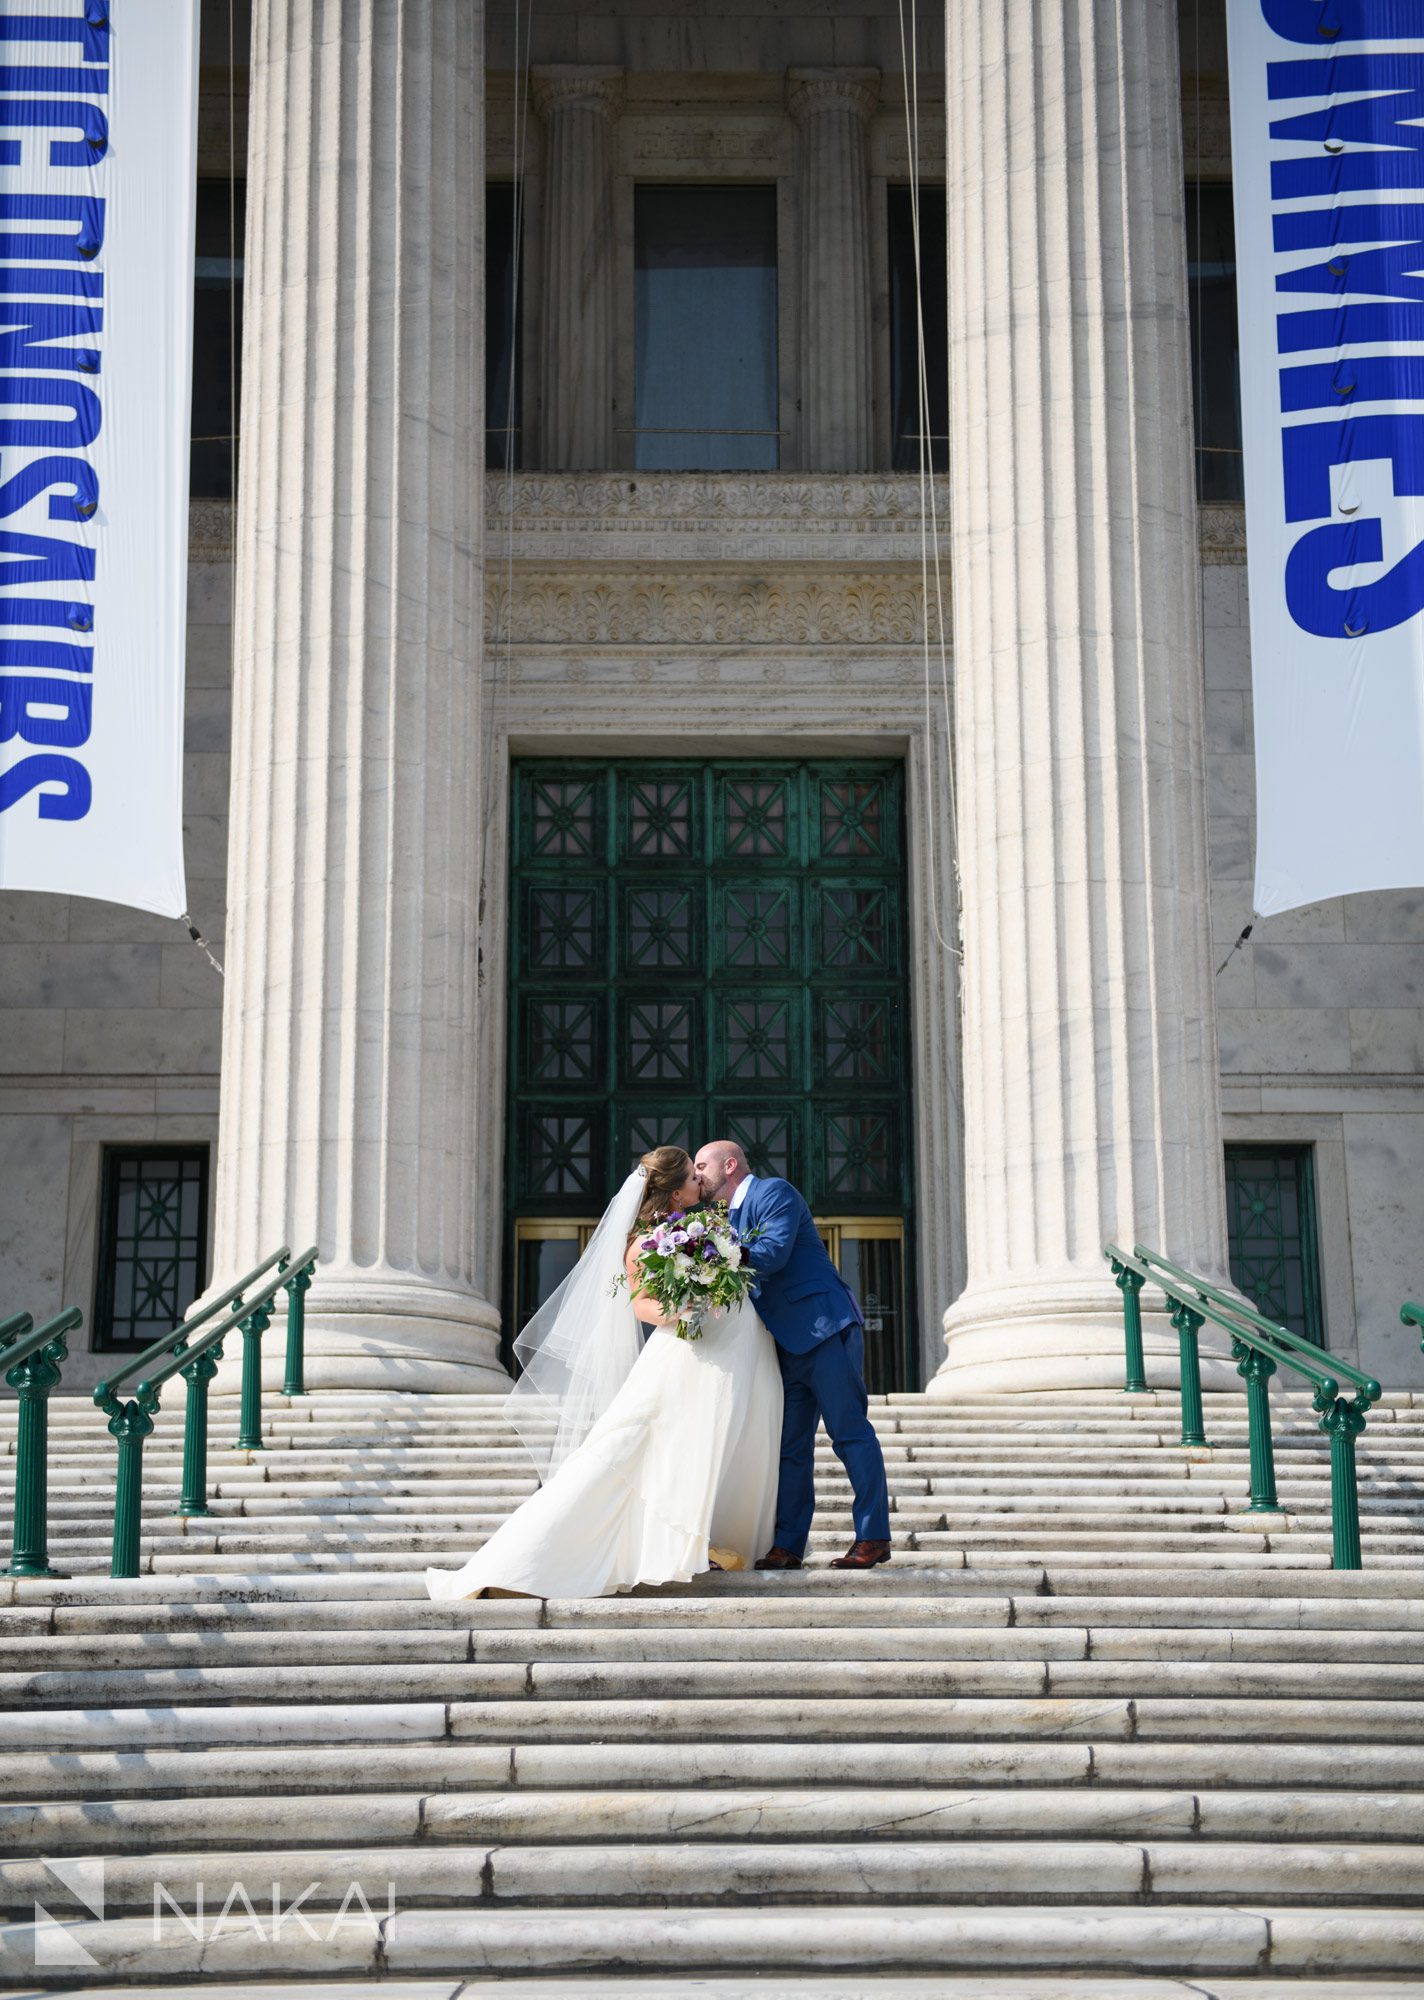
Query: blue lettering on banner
{"x":51,"y":333}
{"x":1357,"y":107}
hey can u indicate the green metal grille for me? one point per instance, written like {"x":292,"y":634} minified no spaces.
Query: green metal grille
{"x":153,"y":1234}
{"x":702,"y":949}
{"x":1270,"y":1222}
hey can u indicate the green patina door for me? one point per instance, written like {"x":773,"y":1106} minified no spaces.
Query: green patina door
{"x":704,"y":950}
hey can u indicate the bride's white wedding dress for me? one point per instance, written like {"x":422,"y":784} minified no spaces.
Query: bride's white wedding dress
{"x":682,"y":1459}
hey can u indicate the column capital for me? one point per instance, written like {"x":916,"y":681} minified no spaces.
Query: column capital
{"x":811,"y":90}
{"x":592,"y":87}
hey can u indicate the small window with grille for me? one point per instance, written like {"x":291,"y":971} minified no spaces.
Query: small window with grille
{"x":153,"y":1241}
{"x":217,"y":336}
{"x":1270,"y":1229}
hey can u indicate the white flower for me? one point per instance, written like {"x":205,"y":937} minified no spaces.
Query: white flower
{"x":696,"y":1229}
{"x":682,"y":1263}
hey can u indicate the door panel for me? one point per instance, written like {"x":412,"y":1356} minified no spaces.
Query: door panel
{"x":703,"y":949}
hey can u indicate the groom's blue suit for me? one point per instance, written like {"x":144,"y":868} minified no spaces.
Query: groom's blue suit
{"x":816,"y":1324}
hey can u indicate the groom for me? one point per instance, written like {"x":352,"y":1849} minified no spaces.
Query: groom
{"x":816,"y":1324}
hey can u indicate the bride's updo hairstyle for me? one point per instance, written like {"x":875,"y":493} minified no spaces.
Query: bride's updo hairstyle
{"x":668,"y":1168}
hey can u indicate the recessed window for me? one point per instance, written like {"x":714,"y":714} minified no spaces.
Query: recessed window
{"x":1271,"y":1237}
{"x":705,"y":329}
{"x":907,"y":416}
{"x":153,"y":1237}
{"x":217,"y":336}
{"x":504,"y":325}
{"x":1216,"y":354}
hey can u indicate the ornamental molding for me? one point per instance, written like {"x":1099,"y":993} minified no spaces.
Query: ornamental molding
{"x":1206,"y":136}
{"x":210,"y":531}
{"x":865,"y":610}
{"x":1222,"y":534}
{"x":594,"y":88}
{"x":648,"y":498}
{"x":809,"y":91}
{"x":715,"y":520}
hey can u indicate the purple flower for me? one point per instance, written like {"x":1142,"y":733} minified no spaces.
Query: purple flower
{"x":648,"y":1243}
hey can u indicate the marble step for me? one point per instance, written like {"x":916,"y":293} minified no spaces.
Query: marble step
{"x":1306,"y":1449}
{"x":277,"y":1509}
{"x":721,"y":1611}
{"x":214,"y":1772}
{"x":1225,"y":1578}
{"x":1142,"y":1871}
{"x":260,"y":1485}
{"x":919,"y":1813}
{"x":530,"y":1676}
{"x":1250,"y":1554}
{"x":823,"y":1986}
{"x":651,"y":1719}
{"x":1250,"y":1940}
{"x":451,"y":1643}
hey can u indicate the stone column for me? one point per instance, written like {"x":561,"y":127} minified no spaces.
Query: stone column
{"x":578,"y":107}
{"x":831,"y":108}
{"x":348,"y":1108}
{"x":1090,"y":1065}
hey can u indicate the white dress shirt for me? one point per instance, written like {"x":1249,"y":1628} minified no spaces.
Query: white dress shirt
{"x":742,"y":1191}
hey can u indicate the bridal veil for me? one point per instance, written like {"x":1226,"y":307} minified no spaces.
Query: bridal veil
{"x":577,"y":1350}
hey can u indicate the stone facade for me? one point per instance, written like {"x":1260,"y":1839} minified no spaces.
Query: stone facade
{"x":794,"y":602}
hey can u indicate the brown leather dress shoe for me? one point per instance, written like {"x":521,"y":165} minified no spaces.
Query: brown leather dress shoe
{"x":862,"y":1555}
{"x":779,"y":1559}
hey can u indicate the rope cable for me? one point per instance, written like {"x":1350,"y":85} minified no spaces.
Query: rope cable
{"x":929,"y":511}
{"x":232,"y":351}
{"x":503,"y":640}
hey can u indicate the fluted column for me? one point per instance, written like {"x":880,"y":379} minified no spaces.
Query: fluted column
{"x":578,"y":107}
{"x":348,"y":1112}
{"x":1090,"y":1066}
{"x":831,"y":108}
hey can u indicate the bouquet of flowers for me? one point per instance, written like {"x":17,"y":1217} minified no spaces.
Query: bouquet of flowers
{"x":694,"y":1265}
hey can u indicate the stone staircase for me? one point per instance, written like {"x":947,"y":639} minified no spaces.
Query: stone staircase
{"x":1095,"y":1731}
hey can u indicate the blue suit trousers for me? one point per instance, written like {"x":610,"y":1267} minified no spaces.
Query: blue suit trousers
{"x":829,"y":1381}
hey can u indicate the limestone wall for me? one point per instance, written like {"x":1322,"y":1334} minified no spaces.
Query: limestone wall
{"x":1320,"y":1028}
{"x":110,"y":1020}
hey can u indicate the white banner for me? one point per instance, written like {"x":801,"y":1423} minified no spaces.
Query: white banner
{"x":1329,"y":193}
{"x":98,"y":146}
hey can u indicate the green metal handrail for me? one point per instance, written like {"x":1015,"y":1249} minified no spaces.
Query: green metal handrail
{"x":178,"y":1337}
{"x":31,"y":1357}
{"x":197,"y":1361}
{"x":1308,"y":1350}
{"x":1258,"y":1347}
{"x":1413,"y":1315}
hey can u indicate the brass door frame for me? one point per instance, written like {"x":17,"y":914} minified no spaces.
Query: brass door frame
{"x":579,"y":1229}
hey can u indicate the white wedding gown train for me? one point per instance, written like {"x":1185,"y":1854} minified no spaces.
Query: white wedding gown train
{"x":685,"y":1458}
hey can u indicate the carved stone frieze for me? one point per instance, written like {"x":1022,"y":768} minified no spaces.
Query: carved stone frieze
{"x":1206,"y":134}
{"x":1222,"y":534}
{"x":643,"y":609}
{"x":209,"y":530}
{"x":647,"y":499}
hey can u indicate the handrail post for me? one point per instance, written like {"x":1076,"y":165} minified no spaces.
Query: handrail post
{"x":249,"y":1436}
{"x":1187,"y":1322}
{"x":1343,"y":1419}
{"x":1129,"y":1283}
{"x":130,"y":1423}
{"x":1256,"y":1369}
{"x":298,"y":1285}
{"x":32,"y":1381}
{"x":198,"y":1374}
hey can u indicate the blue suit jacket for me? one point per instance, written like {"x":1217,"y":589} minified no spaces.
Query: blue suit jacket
{"x":799,"y":1292}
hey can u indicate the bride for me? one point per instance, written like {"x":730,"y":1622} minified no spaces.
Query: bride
{"x":651,"y":1460}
